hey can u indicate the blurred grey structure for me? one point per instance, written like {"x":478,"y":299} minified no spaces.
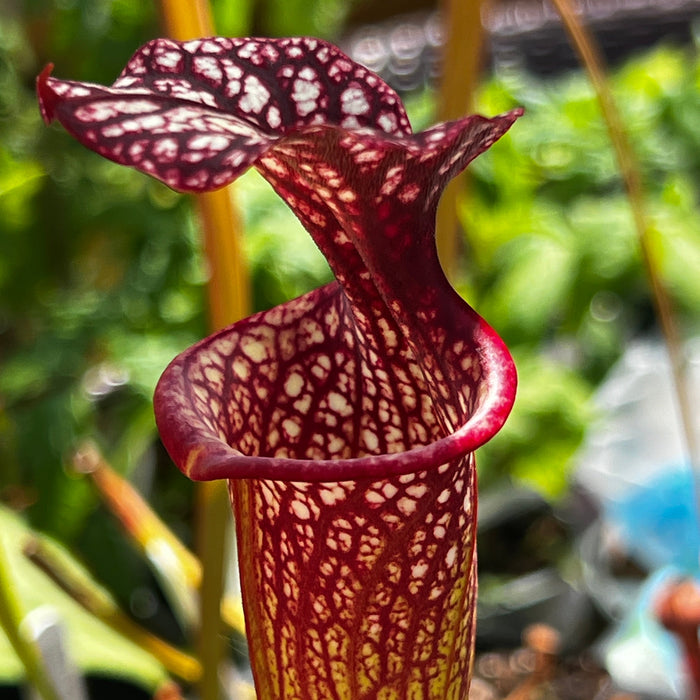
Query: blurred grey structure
{"x":405,"y":50}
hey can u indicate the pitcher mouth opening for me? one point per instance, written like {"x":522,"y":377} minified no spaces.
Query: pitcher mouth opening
{"x":207,"y":456}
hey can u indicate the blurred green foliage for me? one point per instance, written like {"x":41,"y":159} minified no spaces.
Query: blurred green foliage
{"x":81,"y":277}
{"x":102,"y":281}
{"x":554,"y":259}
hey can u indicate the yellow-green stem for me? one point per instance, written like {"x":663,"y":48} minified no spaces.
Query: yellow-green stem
{"x":591,"y":58}
{"x":10,"y":619}
{"x":229,"y":300}
{"x":99,"y":604}
{"x":460,"y":73}
{"x":147,"y":531}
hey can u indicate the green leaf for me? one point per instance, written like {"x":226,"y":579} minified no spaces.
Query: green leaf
{"x":94,"y":647}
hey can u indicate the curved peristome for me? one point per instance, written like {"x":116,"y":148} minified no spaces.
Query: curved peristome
{"x":292,"y":394}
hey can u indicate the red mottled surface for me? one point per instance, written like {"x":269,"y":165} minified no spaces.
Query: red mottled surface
{"x":197,"y":114}
{"x":345,"y":419}
{"x":367,"y":587}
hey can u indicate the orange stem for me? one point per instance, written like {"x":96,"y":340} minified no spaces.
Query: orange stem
{"x":134,"y":513}
{"x":229,"y":300}
{"x":160,"y":545}
{"x":460,"y":73}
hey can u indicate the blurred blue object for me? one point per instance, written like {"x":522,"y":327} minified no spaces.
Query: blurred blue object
{"x":634,"y":459}
{"x":640,"y":655}
{"x":658,"y":520}
{"x":635,"y":466}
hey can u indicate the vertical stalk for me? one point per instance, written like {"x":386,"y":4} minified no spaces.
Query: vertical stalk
{"x":460,"y":71}
{"x":229,"y":300}
{"x":101,"y":606}
{"x":591,"y":58}
{"x":10,"y":619}
{"x":135,"y":514}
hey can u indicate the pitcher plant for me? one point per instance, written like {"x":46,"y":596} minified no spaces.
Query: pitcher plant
{"x":344,"y":420}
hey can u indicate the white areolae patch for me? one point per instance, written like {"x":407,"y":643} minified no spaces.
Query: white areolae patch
{"x":208,"y":142}
{"x":305,"y":95}
{"x":294,"y":384}
{"x":166,"y":150}
{"x":354,"y":101}
{"x":301,"y":510}
{"x":255,"y":96}
{"x":208,"y":67}
{"x":274,"y":118}
{"x":169,"y":59}
{"x":387,"y":122}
